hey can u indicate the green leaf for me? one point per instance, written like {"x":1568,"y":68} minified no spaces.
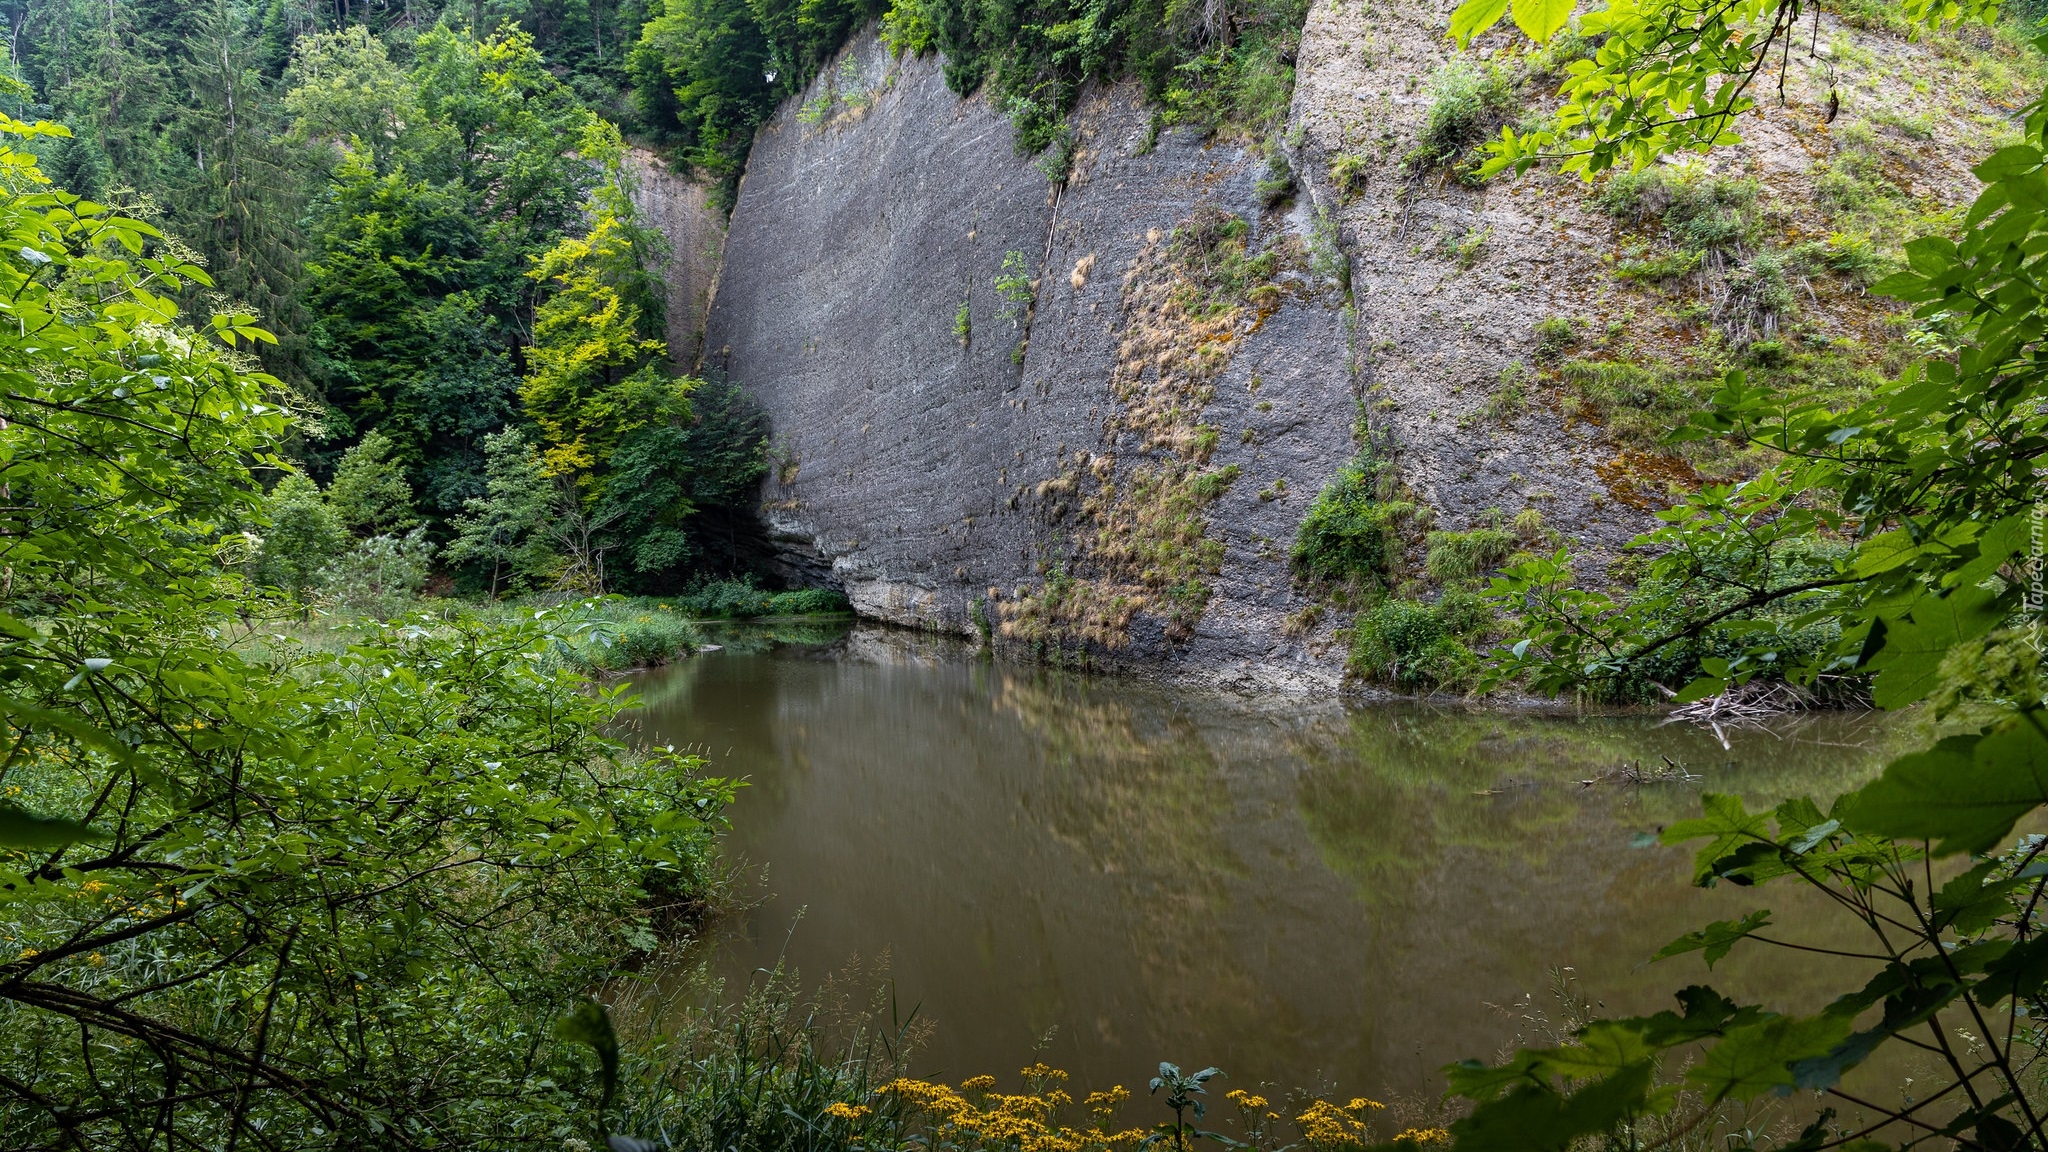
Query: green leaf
{"x":1965,"y":792}
{"x":1729,"y":826}
{"x":1700,"y":689}
{"x":1715,"y":939}
{"x":1967,"y":905}
{"x":1539,"y":20}
{"x":1758,"y":1058}
{"x":19,"y":829}
{"x":1707,"y":1014}
{"x":1604,"y":1048}
{"x":1541,"y":1119}
{"x":1887,"y":551}
{"x":2007,"y":162}
{"x":1474,"y":17}
{"x":2021,"y":971}
{"x":1909,"y":662}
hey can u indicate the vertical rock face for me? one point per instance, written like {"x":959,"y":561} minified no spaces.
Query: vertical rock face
{"x":1085,"y":417}
{"x":1450,"y":282}
{"x":681,"y":210}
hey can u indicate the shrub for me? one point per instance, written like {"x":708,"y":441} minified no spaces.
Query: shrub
{"x":1351,"y":535}
{"x":744,"y":600}
{"x":382,"y":576}
{"x":1212,"y":249}
{"x":1759,"y":297}
{"x":369,"y":491}
{"x":640,"y":641}
{"x":301,"y":537}
{"x":1856,"y":257}
{"x":1666,"y":266}
{"x":1716,"y":583}
{"x":1467,"y":105}
{"x":1276,"y":185}
{"x":1639,"y":402}
{"x":1700,"y":211}
{"x":1417,"y":646}
{"x":1014,"y":285}
{"x":1555,"y":335}
{"x":1347,"y":173}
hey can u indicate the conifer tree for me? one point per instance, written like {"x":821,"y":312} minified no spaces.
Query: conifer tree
{"x":504,"y":532}
{"x":370,"y":494}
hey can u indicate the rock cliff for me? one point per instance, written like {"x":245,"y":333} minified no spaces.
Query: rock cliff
{"x":990,"y":410}
{"x":1086,"y":416}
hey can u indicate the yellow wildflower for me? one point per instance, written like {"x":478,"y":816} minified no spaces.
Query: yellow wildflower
{"x":1360,"y":1104}
{"x":1042,"y":1072}
{"x":1245,"y":1100}
{"x":1103,"y":1105}
{"x":980,"y":1083}
{"x":96,"y":958}
{"x":1422,"y":1136}
{"x":841,"y":1110}
{"x":1327,"y":1126}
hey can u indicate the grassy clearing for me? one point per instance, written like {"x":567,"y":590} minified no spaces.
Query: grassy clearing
{"x":606,"y":634}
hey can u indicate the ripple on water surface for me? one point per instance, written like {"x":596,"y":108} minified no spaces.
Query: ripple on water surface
{"x":1301,"y":892}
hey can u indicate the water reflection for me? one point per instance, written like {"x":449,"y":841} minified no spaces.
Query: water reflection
{"x":1299,"y":892}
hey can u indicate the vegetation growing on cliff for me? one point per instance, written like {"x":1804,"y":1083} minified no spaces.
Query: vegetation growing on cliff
{"x":1189,"y":299}
{"x":707,"y":73}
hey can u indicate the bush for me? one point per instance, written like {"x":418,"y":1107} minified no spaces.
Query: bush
{"x":744,"y":600}
{"x":1351,"y":535}
{"x":382,"y":576}
{"x":644,"y":640}
{"x":1759,"y":296}
{"x":1700,"y":211}
{"x":1417,"y":646}
{"x":1555,"y":335}
{"x":1667,"y":266}
{"x":1467,"y":105}
{"x":302,"y":536}
{"x":1276,"y":184}
{"x":1710,"y":586}
{"x":1347,"y":173}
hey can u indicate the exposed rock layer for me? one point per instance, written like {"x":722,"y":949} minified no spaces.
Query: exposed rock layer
{"x":1060,"y":475}
{"x":926,"y":471}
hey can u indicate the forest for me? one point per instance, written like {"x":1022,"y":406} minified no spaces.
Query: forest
{"x":320,"y":307}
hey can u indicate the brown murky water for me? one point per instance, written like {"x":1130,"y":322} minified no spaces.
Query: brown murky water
{"x":1301,"y":892}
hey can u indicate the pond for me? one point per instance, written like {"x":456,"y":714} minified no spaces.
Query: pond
{"x":1106,"y":873}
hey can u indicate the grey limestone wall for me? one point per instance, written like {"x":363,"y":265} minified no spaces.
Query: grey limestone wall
{"x":921,"y":472}
{"x":680,"y":208}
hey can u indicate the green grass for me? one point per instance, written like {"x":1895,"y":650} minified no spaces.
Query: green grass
{"x":1464,"y":556}
{"x":1212,"y":249}
{"x":1699,"y":212}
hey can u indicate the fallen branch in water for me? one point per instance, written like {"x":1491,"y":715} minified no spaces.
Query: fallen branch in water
{"x":1671,"y":773}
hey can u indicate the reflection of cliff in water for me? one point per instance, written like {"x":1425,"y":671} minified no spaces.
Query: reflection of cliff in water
{"x":1287,"y":889}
